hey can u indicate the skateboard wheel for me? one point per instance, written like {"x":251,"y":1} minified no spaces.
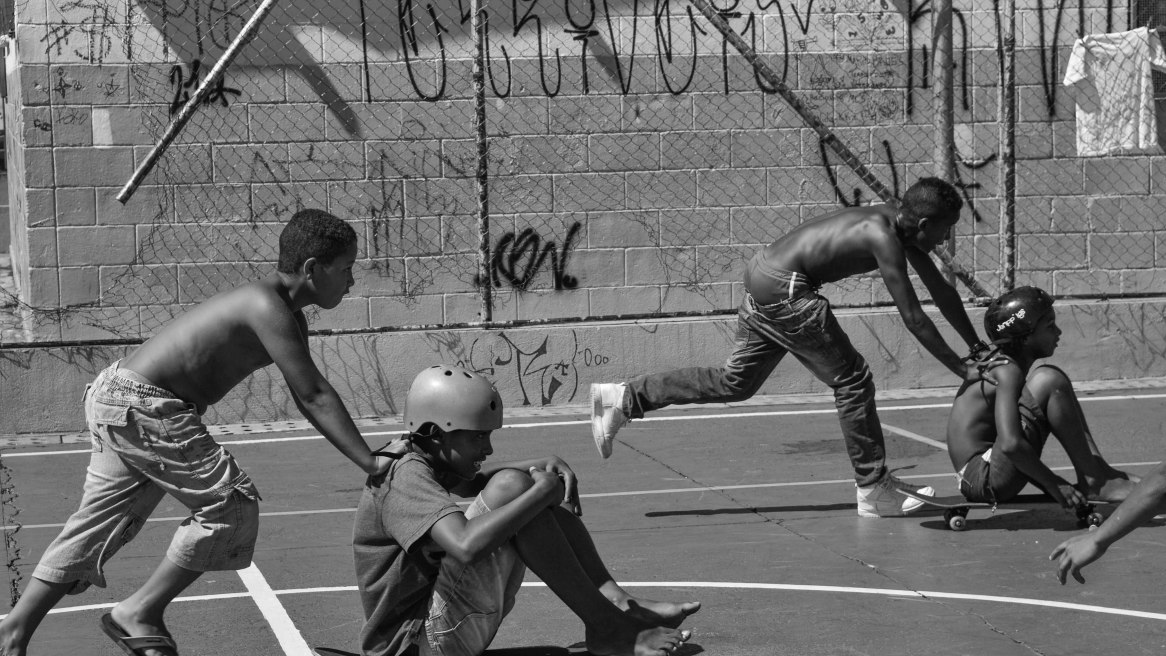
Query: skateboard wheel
{"x":954,"y":519}
{"x":1095,"y":519}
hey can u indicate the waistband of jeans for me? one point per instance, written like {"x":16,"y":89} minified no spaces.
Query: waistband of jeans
{"x":123,"y":381}
{"x":792,"y":283}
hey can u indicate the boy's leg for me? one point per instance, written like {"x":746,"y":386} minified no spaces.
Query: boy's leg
{"x":1052,"y":392}
{"x":547,"y":550}
{"x":184,"y":461}
{"x":745,"y":370}
{"x":115,"y":504}
{"x":141,"y":614}
{"x":654,"y":613}
{"x":825,"y":349}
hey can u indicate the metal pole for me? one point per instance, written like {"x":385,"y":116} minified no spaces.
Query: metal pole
{"x":943,"y":103}
{"x":478,"y":24}
{"x":192,"y":105}
{"x":1008,"y":145}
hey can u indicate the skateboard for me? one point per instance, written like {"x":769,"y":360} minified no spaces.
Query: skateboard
{"x":956,"y":507}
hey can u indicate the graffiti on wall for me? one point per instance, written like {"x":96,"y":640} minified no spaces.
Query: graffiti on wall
{"x":518,"y":257}
{"x":543,"y":367}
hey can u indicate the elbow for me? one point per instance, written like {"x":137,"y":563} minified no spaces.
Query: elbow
{"x":1010,"y":449}
{"x":467,"y":553}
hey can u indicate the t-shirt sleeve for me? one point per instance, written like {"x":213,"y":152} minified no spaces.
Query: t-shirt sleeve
{"x":415,"y":502}
{"x":1157,"y":53}
{"x":1078,"y":68}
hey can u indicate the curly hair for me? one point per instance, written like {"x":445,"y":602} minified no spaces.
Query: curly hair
{"x":313,"y":233}
{"x":929,"y":197}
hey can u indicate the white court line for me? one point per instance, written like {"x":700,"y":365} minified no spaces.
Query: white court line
{"x":727,"y":415}
{"x":601,"y":495}
{"x":914,"y":436}
{"x":890,"y":592}
{"x":291,"y":641}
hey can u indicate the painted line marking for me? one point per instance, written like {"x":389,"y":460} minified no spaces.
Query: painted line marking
{"x":579,"y":422}
{"x":792,"y":587}
{"x":602,"y":495}
{"x":291,"y":641}
{"x":902,"y":432}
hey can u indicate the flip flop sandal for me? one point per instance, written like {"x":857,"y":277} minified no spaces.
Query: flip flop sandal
{"x":133,"y":645}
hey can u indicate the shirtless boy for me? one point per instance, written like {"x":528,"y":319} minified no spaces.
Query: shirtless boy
{"x":144,"y":414}
{"x":782,"y":312}
{"x":435,"y":579}
{"x":996,"y":433}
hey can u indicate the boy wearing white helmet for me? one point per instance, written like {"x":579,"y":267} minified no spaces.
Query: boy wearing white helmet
{"x":435,"y":580}
{"x":996,"y":433}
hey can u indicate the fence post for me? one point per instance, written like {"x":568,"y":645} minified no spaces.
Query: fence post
{"x":1007,"y":31}
{"x":943,"y":104}
{"x":484,"y":259}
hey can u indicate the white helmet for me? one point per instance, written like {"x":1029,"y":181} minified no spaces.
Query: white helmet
{"x":452,"y":398}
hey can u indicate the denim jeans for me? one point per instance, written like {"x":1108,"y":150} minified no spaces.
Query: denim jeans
{"x":804,"y":326}
{"x":146,"y":444}
{"x":470,"y":601}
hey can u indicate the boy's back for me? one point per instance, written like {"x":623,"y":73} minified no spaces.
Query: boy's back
{"x":837,"y":245}
{"x":204,"y":353}
{"x":397,"y":563}
{"x":971,"y":426}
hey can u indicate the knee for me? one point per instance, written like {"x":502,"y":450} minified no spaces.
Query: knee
{"x":857,"y":381}
{"x":505,"y":486}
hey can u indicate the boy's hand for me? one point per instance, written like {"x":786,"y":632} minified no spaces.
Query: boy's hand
{"x":1071,"y":497}
{"x":550,"y":479}
{"x":1075,"y":553}
{"x":558,"y":466}
{"x":381,"y":465}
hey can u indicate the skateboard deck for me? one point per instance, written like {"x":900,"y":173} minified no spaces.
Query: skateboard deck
{"x":956,"y":508}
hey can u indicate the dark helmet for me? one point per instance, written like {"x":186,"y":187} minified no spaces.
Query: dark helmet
{"x":1014,"y":314}
{"x":452,"y":398}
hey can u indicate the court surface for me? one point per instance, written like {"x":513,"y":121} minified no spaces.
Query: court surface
{"x":749,"y":509}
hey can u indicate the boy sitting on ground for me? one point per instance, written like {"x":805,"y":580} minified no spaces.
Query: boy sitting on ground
{"x":435,"y":580}
{"x":996,"y":433}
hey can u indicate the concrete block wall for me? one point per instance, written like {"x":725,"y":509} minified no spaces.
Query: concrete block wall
{"x":633,"y":166}
{"x":554,"y":365}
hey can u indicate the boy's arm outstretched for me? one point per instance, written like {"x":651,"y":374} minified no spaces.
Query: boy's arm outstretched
{"x":284,"y":335}
{"x":892,"y":259}
{"x":946,"y":297}
{"x":1147,"y":499}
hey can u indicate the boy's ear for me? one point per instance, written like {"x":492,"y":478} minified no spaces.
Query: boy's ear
{"x":308,"y":268}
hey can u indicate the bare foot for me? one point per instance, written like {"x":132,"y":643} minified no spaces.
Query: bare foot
{"x":1111,"y":489}
{"x":656,"y":641}
{"x":136,"y":625}
{"x":12,"y":644}
{"x":659,"y":613}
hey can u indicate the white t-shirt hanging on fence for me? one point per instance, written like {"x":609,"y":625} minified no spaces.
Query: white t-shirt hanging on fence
{"x":1109,"y":75}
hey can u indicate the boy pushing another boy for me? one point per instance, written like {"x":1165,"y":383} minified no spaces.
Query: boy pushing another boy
{"x":145,"y":418}
{"x":436,"y":580}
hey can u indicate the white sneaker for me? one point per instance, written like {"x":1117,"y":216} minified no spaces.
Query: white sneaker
{"x":883,"y":499}
{"x":608,"y":414}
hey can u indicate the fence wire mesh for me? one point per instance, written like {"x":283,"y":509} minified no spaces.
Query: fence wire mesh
{"x":635,"y":157}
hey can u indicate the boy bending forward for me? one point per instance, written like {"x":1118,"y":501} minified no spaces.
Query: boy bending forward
{"x":435,"y":580}
{"x":996,"y":433}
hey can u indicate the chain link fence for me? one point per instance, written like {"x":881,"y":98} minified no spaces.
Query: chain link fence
{"x":559,"y":161}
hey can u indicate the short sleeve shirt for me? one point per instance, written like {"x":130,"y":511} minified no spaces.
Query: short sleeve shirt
{"x":397,"y":562}
{"x":1111,"y":80}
